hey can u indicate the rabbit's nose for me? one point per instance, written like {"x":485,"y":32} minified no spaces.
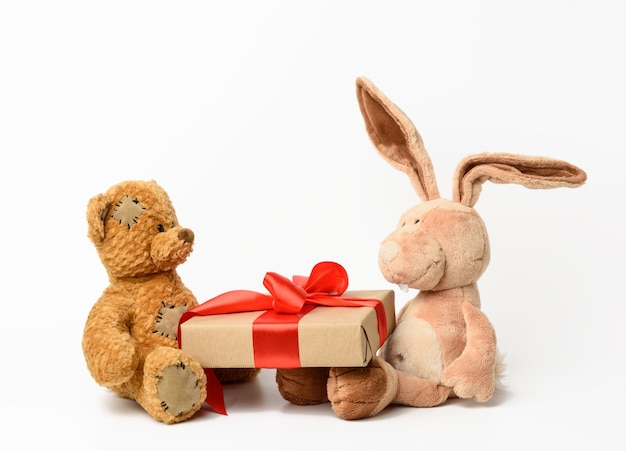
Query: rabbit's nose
{"x":388,"y":251}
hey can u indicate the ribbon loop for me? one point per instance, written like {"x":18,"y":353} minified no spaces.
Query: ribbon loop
{"x":287,"y":296}
{"x":327,"y":277}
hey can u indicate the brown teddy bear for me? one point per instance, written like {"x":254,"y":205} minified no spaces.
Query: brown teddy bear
{"x":130,"y":338}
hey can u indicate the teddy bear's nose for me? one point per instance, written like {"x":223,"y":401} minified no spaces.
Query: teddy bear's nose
{"x":388,"y":251}
{"x":186,"y":235}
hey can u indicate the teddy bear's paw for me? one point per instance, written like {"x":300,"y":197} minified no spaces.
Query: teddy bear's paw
{"x":303,"y":386}
{"x":112,"y":358}
{"x":362,"y":392}
{"x":179,"y":390}
{"x":174,"y":385}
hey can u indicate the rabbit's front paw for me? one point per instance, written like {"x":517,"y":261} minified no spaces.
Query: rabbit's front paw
{"x":479,"y":386}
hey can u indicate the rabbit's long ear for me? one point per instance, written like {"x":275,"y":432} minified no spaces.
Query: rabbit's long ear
{"x":531,"y":172}
{"x":396,"y":138}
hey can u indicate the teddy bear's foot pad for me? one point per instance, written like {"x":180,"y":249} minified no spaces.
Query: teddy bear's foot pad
{"x":178,"y":389}
{"x":174,"y":385}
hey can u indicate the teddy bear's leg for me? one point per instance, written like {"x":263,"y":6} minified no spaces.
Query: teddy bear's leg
{"x":174,"y":385}
{"x":357,"y":393}
{"x":235,"y":375}
{"x":303,"y":386}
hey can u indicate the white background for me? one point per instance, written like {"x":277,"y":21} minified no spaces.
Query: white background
{"x":246,"y":113}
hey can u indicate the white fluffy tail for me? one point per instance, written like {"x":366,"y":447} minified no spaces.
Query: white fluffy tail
{"x":499,"y":370}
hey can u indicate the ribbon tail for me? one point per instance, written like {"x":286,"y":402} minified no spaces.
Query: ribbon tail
{"x":214,"y":392}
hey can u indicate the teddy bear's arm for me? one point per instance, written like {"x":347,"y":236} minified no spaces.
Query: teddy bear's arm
{"x":109,"y":349}
{"x":472,"y":374}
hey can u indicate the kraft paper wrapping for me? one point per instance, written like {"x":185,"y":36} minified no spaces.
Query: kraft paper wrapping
{"x":327,"y":336}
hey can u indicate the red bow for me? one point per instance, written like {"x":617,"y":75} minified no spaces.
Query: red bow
{"x":323,"y":287}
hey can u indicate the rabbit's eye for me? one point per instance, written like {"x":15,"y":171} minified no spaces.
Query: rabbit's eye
{"x":414,"y":222}
{"x":161,"y":228}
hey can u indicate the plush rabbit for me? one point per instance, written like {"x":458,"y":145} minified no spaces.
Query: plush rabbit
{"x":443,"y":345}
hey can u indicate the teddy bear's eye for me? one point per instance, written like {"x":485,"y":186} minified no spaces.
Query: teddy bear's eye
{"x":161,"y":228}
{"x":416,"y":221}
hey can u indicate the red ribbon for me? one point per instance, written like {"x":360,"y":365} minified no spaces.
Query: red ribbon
{"x":287,"y":301}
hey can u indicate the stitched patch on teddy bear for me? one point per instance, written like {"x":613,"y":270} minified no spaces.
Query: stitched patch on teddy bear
{"x":128,"y":210}
{"x":167,"y":320}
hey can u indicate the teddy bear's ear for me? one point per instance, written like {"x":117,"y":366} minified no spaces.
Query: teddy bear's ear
{"x":97,"y":210}
{"x":530,"y":172}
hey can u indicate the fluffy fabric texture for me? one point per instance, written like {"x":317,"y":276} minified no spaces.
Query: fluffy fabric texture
{"x":362,"y":392}
{"x":528,"y":171}
{"x":428,"y":255}
{"x":443,"y":344}
{"x":129,"y":340}
{"x":303,"y":386}
{"x":397,"y":140}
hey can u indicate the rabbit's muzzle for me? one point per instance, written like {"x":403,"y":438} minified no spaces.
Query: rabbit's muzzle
{"x":389,"y":250}
{"x":412,"y":260}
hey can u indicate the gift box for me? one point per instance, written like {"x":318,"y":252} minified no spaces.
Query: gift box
{"x":308,"y":322}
